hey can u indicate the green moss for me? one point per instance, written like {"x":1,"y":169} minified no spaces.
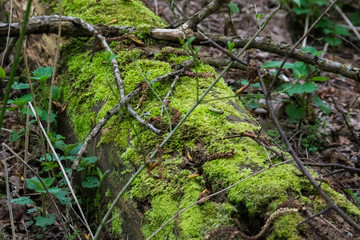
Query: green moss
{"x":285,"y":227}
{"x":86,"y":86}
{"x":116,"y":223}
{"x":126,"y":13}
{"x":269,"y":188}
{"x":341,"y":200}
{"x":163,"y":207}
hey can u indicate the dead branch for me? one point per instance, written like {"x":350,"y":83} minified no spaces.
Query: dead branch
{"x":330,"y":203}
{"x":211,"y":8}
{"x":72,"y":26}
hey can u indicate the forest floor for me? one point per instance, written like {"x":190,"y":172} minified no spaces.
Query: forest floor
{"x":329,"y":139}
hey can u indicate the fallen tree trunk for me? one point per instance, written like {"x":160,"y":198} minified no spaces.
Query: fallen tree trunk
{"x":218,"y":145}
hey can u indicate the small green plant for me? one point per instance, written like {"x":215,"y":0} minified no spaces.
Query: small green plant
{"x":328,"y":28}
{"x":301,"y":90}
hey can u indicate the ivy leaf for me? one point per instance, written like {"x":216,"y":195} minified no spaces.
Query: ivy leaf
{"x":22,"y":201}
{"x":44,"y":221}
{"x":302,"y":88}
{"x":320,"y":103}
{"x":295,"y":113}
{"x":90,"y":182}
{"x":233,"y":8}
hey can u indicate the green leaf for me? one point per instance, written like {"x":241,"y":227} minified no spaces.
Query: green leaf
{"x":320,"y":103}
{"x":22,"y":201}
{"x":295,"y":113}
{"x":230,"y":46}
{"x":61,"y":195}
{"x":86,"y":161}
{"x":302,"y":88}
{"x":233,"y":8}
{"x":56,"y":93}
{"x":333,"y":41}
{"x":22,"y":101}
{"x":44,"y":221}
{"x":297,"y":2}
{"x":90,"y":182}
{"x":42,"y":74}
{"x":337,"y":29}
{"x":310,"y":49}
{"x":259,"y":16}
{"x":19,"y":86}
{"x":300,"y":11}
{"x":35,"y":184}
{"x":320,"y":79}
{"x":274,"y":64}
{"x":73,"y":149}
{"x":2,"y":73}
{"x":299,"y":70}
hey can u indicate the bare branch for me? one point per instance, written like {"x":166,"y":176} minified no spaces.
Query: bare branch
{"x":299,"y":163}
{"x":72,"y":26}
{"x":211,"y":8}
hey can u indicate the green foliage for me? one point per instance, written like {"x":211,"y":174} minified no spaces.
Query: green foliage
{"x":44,"y":221}
{"x":295,"y":113}
{"x":22,"y":201}
{"x":42,"y":74}
{"x":328,"y":28}
{"x":233,"y":8}
{"x":305,"y":83}
{"x":2,"y":73}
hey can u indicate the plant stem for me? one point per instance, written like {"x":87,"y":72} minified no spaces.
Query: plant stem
{"x":15,"y":63}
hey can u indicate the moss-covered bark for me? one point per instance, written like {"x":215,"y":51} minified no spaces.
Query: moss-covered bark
{"x":89,"y":89}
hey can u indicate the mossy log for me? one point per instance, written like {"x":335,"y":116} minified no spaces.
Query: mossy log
{"x":204,"y":144}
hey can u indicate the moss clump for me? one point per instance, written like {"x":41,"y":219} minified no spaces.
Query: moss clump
{"x":163,"y":207}
{"x":116,"y":223}
{"x":285,"y":227}
{"x":126,"y":13}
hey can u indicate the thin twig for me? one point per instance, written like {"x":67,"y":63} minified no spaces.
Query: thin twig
{"x":166,"y":99}
{"x":152,"y":156}
{"x":56,"y":57}
{"x":314,"y":215}
{"x":115,"y":110}
{"x":64,"y":173}
{"x":296,"y":44}
{"x":43,"y":185}
{"x":73,"y":27}
{"x":333,"y":165}
{"x":26,"y":155}
{"x":347,"y":20}
{"x":8,"y":34}
{"x":211,"y":8}
{"x":212,"y":195}
{"x":299,"y":163}
{"x":15,"y":62}
{"x":8,"y":199}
